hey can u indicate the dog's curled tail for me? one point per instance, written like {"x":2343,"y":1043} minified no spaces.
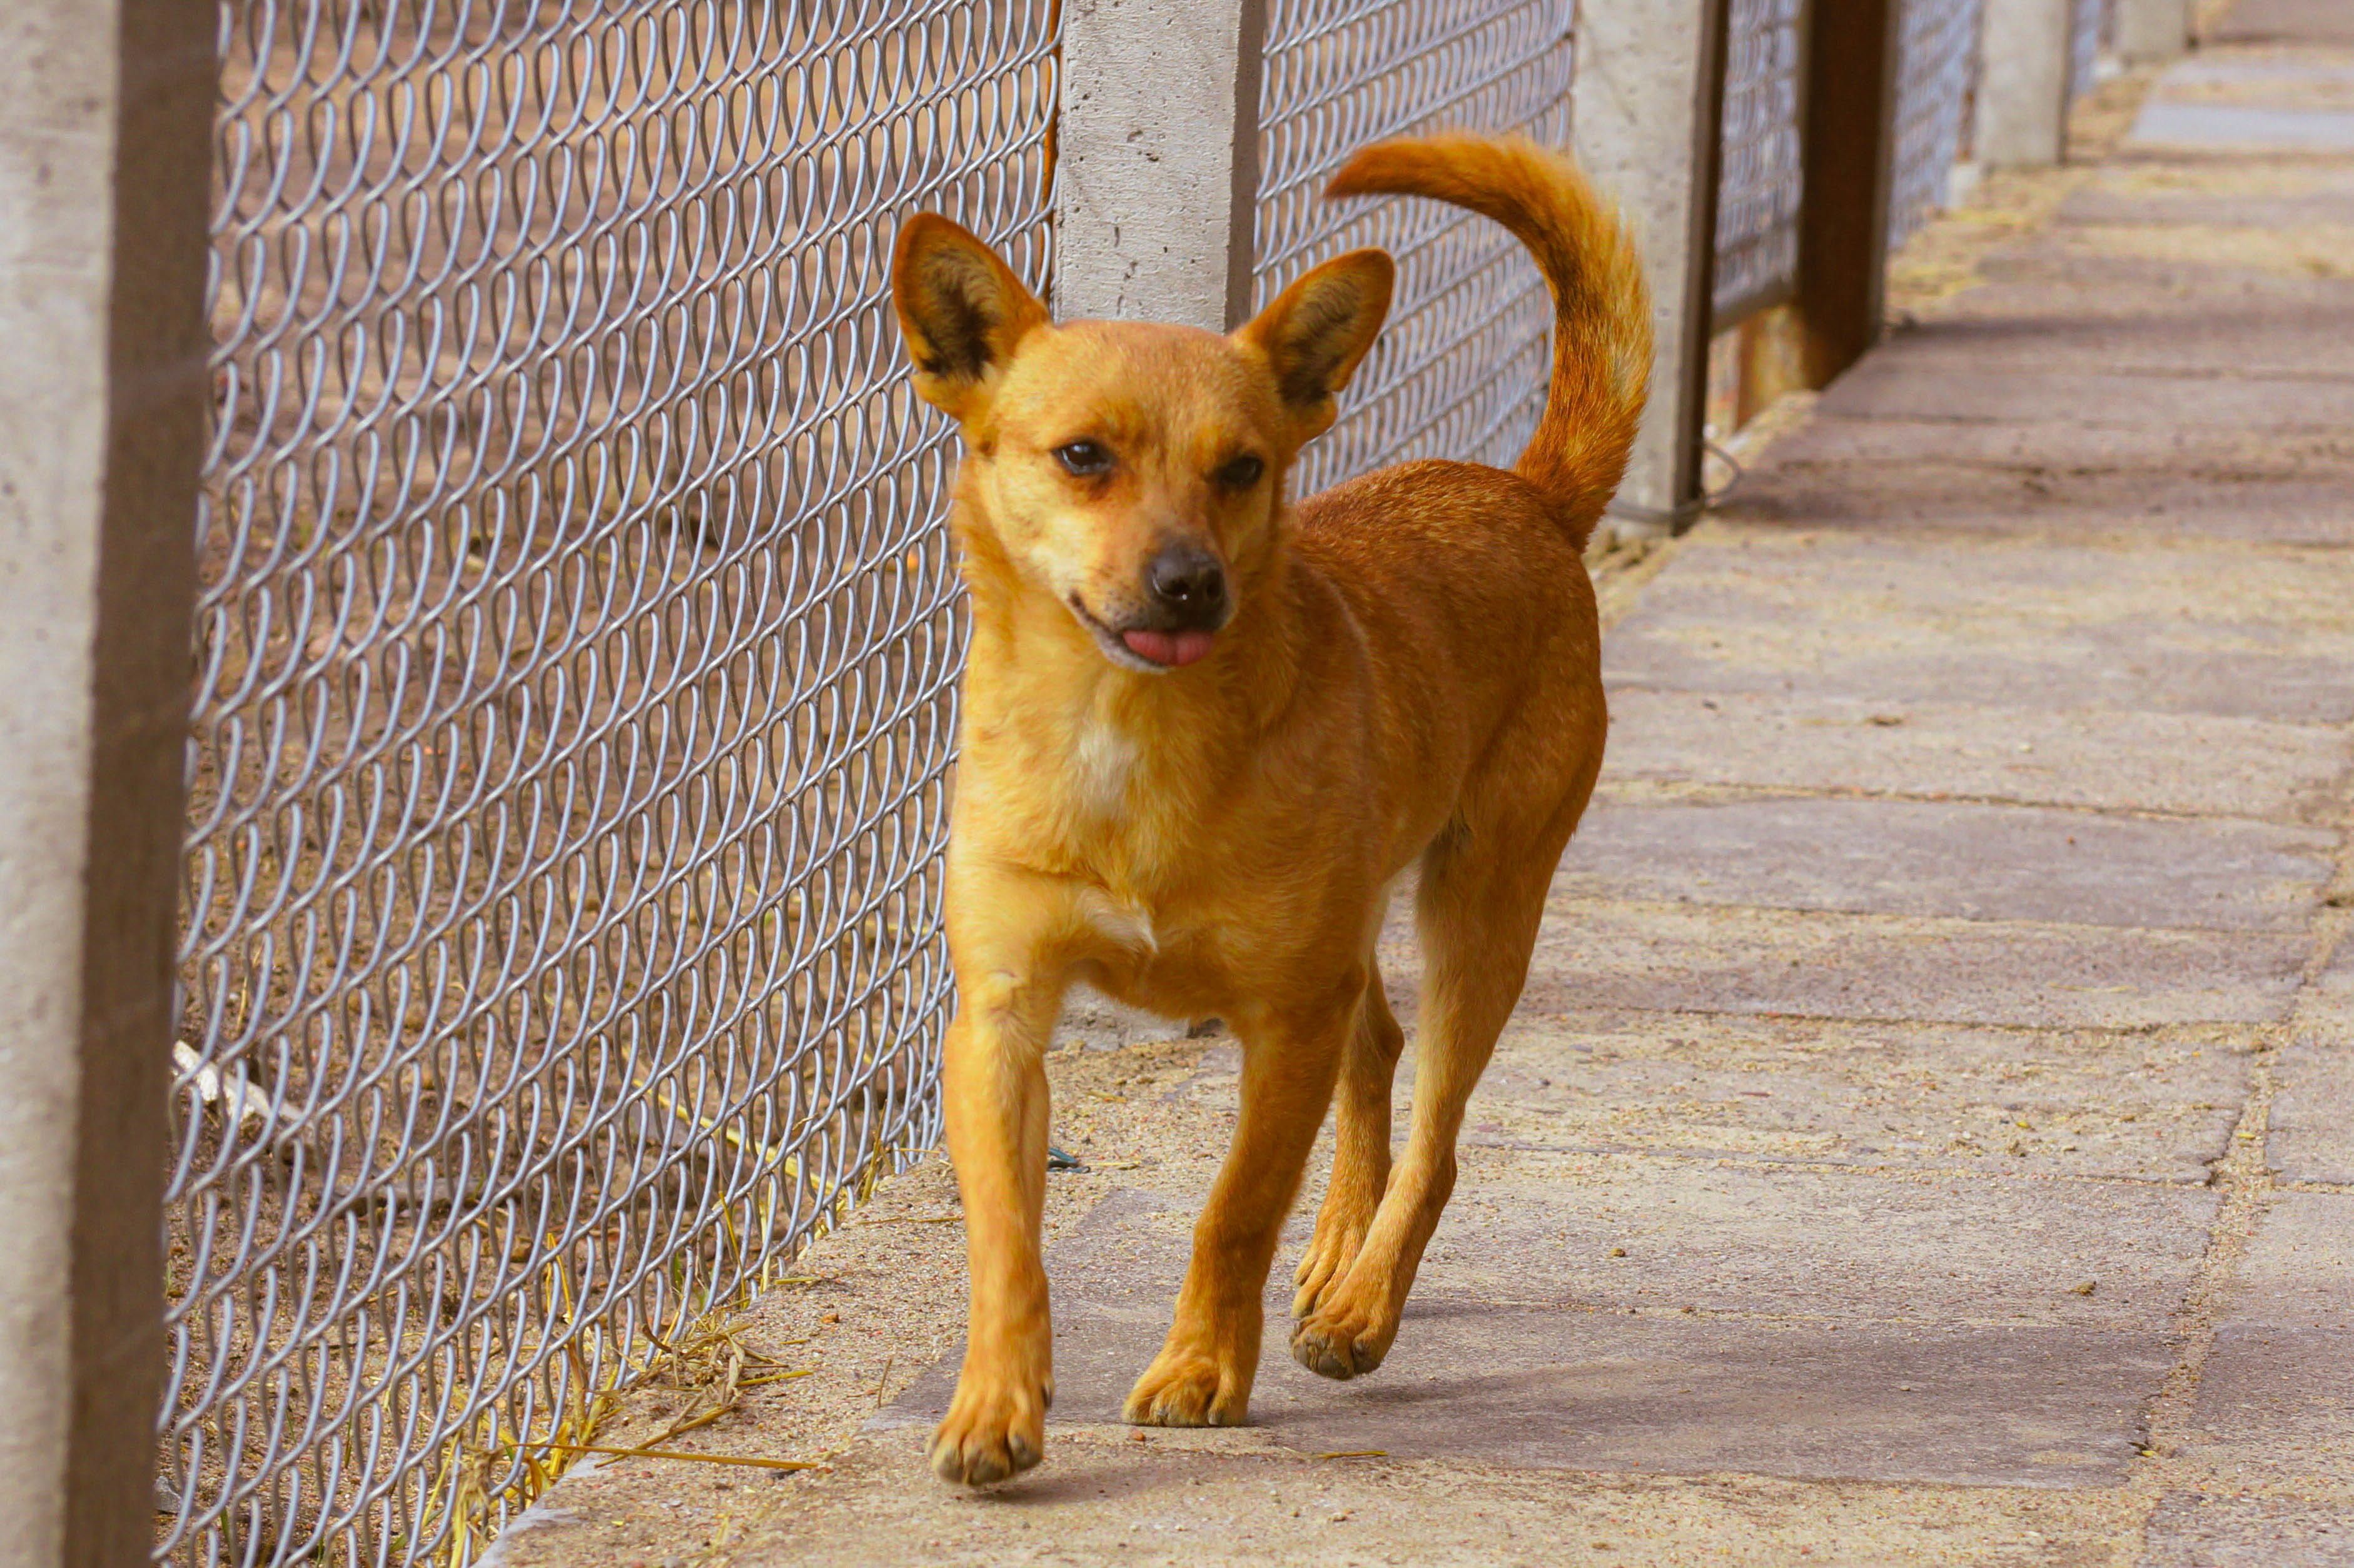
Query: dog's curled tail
{"x":1602,"y":307}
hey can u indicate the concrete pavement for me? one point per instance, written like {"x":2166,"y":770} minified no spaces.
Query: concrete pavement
{"x":1928,"y":1134}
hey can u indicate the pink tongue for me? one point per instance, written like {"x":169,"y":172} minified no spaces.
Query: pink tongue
{"x":1168,"y":647}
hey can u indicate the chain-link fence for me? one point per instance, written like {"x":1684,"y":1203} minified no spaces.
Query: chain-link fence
{"x":575,"y":649}
{"x":2092,"y":29}
{"x":574,"y":675}
{"x":574,"y":708}
{"x":2083,"y":45}
{"x":1937,"y":78}
{"x":1761,"y":172}
{"x":1460,"y":369}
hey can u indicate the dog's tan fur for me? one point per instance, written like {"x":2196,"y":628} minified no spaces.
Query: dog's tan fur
{"x":1408,"y":674}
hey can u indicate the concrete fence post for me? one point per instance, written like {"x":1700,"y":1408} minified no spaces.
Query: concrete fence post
{"x":1649,"y":91}
{"x":1156,"y":171}
{"x":105,"y":120}
{"x":2022,"y":104}
{"x":1157,"y":180}
{"x":2153,"y":29}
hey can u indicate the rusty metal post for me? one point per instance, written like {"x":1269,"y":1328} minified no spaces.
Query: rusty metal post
{"x":1852,"y":52}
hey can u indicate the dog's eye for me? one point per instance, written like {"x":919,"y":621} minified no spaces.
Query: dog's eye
{"x":1084,"y":458}
{"x":1242,"y":473}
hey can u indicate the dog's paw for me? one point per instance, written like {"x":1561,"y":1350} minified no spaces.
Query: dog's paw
{"x":1326,"y":1263}
{"x":1187,"y":1388}
{"x":1341,"y":1338}
{"x":995,"y":1427}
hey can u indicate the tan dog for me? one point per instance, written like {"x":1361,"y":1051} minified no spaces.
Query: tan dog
{"x":1203,"y":733}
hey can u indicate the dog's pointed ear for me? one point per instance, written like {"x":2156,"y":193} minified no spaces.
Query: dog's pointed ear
{"x":1318,"y":331}
{"x":962,"y":311}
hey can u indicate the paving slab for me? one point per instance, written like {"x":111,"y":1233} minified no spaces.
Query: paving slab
{"x":1979,"y":1405}
{"x":2120,"y":272}
{"x":2311,"y":1137}
{"x":2232,"y":633}
{"x":2267,"y":595}
{"x":1924,"y":482}
{"x":2214,"y":244}
{"x":1744,"y":1328}
{"x":2190,"y":316}
{"x":2184,"y":763}
{"x":2221,"y":299}
{"x":1601,"y":954}
{"x":2235,"y":319}
{"x":2192,"y":1531}
{"x":1893,"y":386}
{"x":2289,"y":195}
{"x":2331,"y":998}
{"x":2278,"y":77}
{"x":2178,"y":669}
{"x":2276,"y":1395}
{"x":1167,"y":1502}
{"x":2326,"y":200}
{"x":2312,"y":1132}
{"x":2235,"y":126}
{"x":2219,"y":280}
{"x":2268,"y":21}
{"x":2146,"y":1105}
{"x":2289,"y":99}
{"x":2155,"y":458}
{"x":1537,"y":1228}
{"x":1965,"y":859}
{"x":2215,"y":280}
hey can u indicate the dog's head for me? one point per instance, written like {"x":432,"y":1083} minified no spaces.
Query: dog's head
{"x":1132,"y":472}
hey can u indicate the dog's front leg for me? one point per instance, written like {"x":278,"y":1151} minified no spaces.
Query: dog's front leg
{"x":1203,"y":1375}
{"x":994,"y":1082}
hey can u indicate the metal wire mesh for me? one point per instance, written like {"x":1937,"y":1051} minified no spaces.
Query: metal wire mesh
{"x":1937,"y":62}
{"x":2092,"y":29}
{"x":1460,"y":370}
{"x":574,"y":661}
{"x":1761,"y":175}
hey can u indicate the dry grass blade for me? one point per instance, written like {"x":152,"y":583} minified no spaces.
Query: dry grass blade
{"x":755,"y":1462}
{"x":710,"y":1364}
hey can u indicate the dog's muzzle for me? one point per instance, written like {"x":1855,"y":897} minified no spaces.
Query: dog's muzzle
{"x":1187,"y":588}
{"x":1185,"y":601}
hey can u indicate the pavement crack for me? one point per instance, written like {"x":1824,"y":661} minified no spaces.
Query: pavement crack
{"x":2244,"y":1178}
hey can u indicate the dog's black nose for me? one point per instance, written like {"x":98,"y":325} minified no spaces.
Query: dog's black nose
{"x":1188,"y":582}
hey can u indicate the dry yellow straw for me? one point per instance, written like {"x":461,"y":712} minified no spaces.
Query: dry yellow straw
{"x":679,"y":1454}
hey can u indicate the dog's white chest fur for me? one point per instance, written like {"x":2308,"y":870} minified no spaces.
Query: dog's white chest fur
{"x":1102,"y":758}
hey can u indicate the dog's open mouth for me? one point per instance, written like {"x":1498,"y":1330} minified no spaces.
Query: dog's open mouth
{"x":1147,"y":648}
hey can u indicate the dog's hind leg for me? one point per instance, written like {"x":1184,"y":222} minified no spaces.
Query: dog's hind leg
{"x":1360,"y":1155}
{"x":1482,"y":896}
{"x":1202,"y":1374}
